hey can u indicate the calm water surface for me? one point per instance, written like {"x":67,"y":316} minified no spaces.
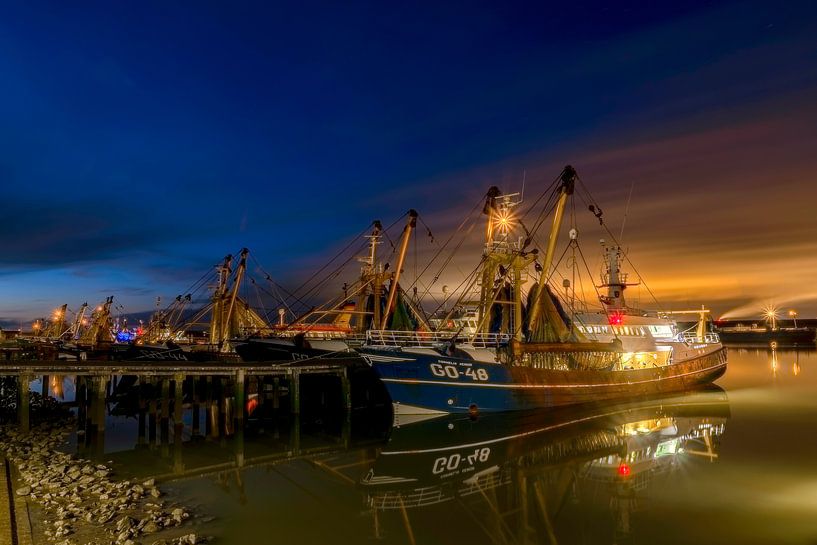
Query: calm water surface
{"x":736,"y":464}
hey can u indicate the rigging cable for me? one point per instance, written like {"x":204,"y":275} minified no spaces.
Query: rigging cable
{"x":344,"y":249}
{"x":468,"y":219}
{"x":615,"y":240}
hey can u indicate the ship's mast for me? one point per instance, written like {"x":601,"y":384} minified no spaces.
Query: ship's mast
{"x":613,"y":279}
{"x":371,"y":274}
{"x":100,"y":328}
{"x":228,"y":326}
{"x":568,"y":180}
{"x":491,"y":210}
{"x":401,"y":257}
{"x":76,"y":328}
{"x":216,"y":322}
{"x":56,"y":327}
{"x":489,"y":267}
{"x":504,"y":260}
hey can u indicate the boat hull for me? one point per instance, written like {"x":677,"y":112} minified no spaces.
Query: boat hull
{"x":428,"y":384}
{"x":804,"y":337}
{"x":287,"y":350}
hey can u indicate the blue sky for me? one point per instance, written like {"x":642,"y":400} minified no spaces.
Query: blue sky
{"x":140,"y":142}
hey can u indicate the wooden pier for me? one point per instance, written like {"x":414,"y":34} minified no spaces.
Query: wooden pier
{"x":215,"y":380}
{"x":193,"y":418}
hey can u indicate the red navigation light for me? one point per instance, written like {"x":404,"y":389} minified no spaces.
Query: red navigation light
{"x":616,"y":318}
{"x":624,"y":470}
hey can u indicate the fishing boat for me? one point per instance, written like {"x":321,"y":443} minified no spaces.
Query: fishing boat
{"x":643,"y":334}
{"x":527,"y":352}
{"x":739,"y":332}
{"x":747,"y":335}
{"x":337,"y":327}
{"x":90,"y":338}
{"x":174,"y":334}
{"x":226,"y":316}
{"x":291,"y":342}
{"x":48,"y":335}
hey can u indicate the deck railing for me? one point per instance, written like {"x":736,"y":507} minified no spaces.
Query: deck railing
{"x":385,"y":337}
{"x":690,"y":337}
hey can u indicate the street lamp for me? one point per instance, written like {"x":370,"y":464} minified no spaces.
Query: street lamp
{"x":793,"y":314}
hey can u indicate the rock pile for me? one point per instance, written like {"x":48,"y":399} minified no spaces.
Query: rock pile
{"x":80,"y":498}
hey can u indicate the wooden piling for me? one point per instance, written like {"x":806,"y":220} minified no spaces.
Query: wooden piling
{"x":195,"y":428}
{"x":82,"y":405}
{"x":99,"y":386}
{"x":346,"y":390}
{"x":164,"y":417}
{"x":23,"y":408}
{"x":140,"y":437}
{"x":208,"y":403}
{"x":153,"y":412}
{"x":178,"y":400}
{"x":222,"y":408}
{"x":100,"y":391}
{"x":295,"y":435}
{"x":240,"y":399}
{"x":294,"y":391}
{"x":276,"y":394}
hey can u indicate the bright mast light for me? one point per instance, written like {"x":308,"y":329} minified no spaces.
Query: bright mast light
{"x":504,"y":221}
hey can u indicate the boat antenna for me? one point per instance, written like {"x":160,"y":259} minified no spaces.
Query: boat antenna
{"x":522,"y":193}
{"x":626,"y":209}
{"x":596,"y":210}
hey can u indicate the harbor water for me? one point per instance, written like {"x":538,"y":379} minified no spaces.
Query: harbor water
{"x":734,"y":464}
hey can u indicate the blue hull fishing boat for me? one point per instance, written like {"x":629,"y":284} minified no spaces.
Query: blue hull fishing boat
{"x":527,"y":350}
{"x":427,"y":382}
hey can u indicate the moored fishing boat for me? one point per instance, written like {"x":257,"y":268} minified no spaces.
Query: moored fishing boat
{"x":337,"y":327}
{"x":206,"y":333}
{"x":771,"y":334}
{"x":289,"y":348}
{"x":526,"y":356}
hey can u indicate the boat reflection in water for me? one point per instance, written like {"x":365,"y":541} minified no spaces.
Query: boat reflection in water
{"x":526,"y":478}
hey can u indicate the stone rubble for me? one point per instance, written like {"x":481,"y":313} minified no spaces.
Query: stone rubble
{"x":78,"y":496}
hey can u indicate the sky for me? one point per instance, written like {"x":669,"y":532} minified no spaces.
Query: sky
{"x":140,"y":142}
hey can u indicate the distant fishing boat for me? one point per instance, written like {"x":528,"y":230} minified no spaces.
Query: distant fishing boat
{"x":528,"y":353}
{"x":335,"y":329}
{"x":205,"y":335}
{"x":738,"y":332}
{"x":762,"y":336}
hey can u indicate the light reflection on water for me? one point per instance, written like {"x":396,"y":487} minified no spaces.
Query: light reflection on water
{"x":722,"y":466}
